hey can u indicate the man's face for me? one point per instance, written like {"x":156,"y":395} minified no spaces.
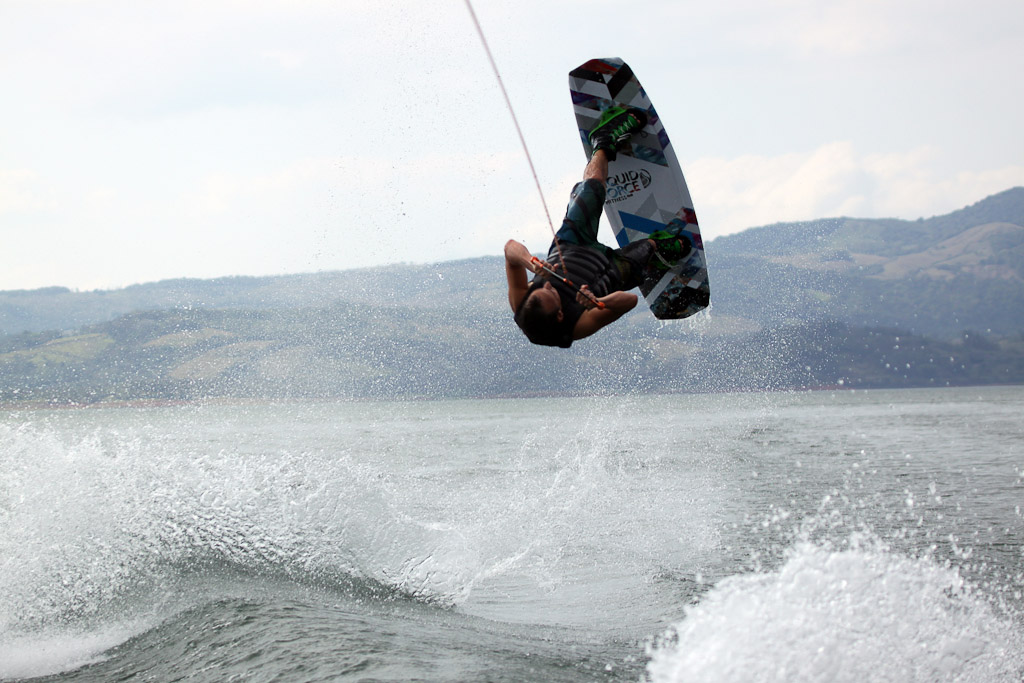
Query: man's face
{"x":549,"y":299}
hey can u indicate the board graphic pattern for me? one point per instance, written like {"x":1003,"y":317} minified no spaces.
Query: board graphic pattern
{"x":646,"y":188}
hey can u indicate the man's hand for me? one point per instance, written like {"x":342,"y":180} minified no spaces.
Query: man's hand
{"x":587,"y":299}
{"x":537,"y":265}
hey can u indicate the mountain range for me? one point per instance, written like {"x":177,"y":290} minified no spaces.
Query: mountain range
{"x":834,"y":302}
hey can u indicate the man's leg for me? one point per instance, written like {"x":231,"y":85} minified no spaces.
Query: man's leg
{"x":597,"y":168}
{"x":662,"y":249}
{"x":631,"y":260}
{"x":586,"y":204}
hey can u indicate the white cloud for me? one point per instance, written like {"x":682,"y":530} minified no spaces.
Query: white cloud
{"x":214,"y":137}
{"x":834,"y":180}
{"x":19,"y":191}
{"x":285,"y":59}
{"x":861,"y":29}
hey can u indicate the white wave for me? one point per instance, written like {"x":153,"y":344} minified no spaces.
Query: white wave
{"x":103,"y":523}
{"x":851,"y":615}
{"x":31,"y":656}
{"x":118,"y":523}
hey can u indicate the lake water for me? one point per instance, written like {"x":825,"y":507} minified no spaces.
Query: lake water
{"x":823,"y":536}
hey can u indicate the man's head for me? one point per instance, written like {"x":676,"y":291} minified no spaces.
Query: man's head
{"x":540,"y":313}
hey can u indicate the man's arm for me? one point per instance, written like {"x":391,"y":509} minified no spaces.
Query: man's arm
{"x":616,"y":305}
{"x":517,"y":262}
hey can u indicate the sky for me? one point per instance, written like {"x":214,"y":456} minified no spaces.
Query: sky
{"x":142,"y":141}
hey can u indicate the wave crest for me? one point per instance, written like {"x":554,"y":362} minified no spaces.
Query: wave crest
{"x":856,"y":614}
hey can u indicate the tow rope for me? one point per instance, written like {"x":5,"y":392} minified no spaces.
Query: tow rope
{"x":522,"y":139}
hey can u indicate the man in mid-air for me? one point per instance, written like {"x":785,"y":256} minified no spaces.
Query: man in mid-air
{"x":553,"y":312}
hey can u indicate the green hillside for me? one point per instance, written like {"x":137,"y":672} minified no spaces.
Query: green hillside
{"x":935,"y":276}
{"x":352,"y":352}
{"x":840,"y":302}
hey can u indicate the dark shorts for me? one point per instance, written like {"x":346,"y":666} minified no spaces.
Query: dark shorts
{"x":580,"y":226}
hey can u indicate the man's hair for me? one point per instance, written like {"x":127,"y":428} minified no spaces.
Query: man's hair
{"x":539,"y":325}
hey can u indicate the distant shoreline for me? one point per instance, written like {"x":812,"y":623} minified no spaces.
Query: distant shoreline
{"x":145,"y":403}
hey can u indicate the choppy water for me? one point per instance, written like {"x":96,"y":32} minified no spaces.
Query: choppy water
{"x":848,"y":536}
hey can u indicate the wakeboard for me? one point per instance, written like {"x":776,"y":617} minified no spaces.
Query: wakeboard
{"x":646,"y":191}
